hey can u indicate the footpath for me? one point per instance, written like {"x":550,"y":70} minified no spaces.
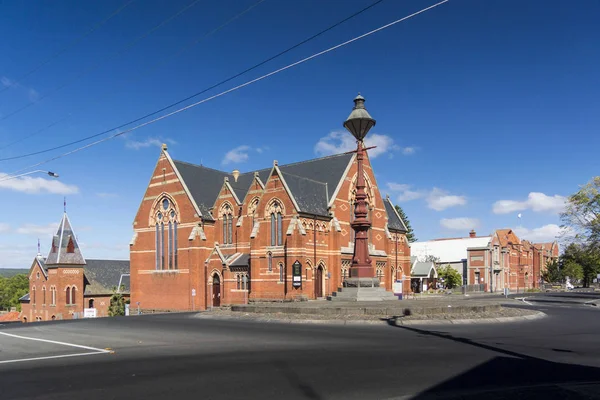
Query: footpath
{"x":446,"y":309}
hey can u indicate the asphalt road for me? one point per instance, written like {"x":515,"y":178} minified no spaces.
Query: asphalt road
{"x":182,"y":356}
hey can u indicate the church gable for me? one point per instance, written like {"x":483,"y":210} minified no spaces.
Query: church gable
{"x":166,"y":183}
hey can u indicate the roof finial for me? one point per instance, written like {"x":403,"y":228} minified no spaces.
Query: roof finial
{"x":65,"y":204}
{"x":39,"y":249}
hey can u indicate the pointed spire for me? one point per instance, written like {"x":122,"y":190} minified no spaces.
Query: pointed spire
{"x":65,"y":249}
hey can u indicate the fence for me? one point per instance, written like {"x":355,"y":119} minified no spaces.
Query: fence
{"x":481,"y":287}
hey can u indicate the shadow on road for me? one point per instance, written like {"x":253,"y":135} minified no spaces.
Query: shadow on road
{"x":512,"y":375}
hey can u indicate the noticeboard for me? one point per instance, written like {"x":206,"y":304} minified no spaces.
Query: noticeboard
{"x":297,"y":274}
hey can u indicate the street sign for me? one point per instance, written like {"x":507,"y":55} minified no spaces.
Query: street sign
{"x":89,"y":313}
{"x":297,"y":274}
{"x":193,"y":292}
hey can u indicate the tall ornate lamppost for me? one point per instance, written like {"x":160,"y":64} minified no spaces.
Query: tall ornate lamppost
{"x":361,"y":272}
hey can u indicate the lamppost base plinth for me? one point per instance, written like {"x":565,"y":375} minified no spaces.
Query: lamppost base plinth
{"x":361,"y":282}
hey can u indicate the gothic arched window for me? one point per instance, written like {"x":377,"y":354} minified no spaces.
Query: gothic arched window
{"x":227,"y":215}
{"x":270,"y":262}
{"x":166,"y":219}
{"x":281,"y":272}
{"x":68,"y":294}
{"x":73,"y":301}
{"x":276,"y":213}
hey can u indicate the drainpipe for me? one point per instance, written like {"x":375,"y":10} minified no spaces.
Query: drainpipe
{"x":315,"y":251}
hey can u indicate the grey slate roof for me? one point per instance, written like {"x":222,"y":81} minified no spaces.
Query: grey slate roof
{"x":104,"y":275}
{"x":394,"y":220}
{"x":310,"y":195}
{"x":205,"y":183}
{"x":60,"y":242}
{"x":24,"y":298}
{"x":422,"y":269}
{"x":241,"y":261}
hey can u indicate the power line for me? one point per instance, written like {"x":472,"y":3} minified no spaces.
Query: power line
{"x":67,"y":47}
{"x":302,"y":61}
{"x":97,"y":65}
{"x":145,"y":72}
{"x":200,"y":92}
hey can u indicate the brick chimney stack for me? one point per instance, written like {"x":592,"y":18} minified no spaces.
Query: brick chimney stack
{"x":472,"y":234}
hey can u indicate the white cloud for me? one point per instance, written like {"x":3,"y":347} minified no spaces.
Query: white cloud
{"x":546,"y":233}
{"x":241,"y":154}
{"x":440,"y":200}
{"x":538,"y":202}
{"x":28,"y":184}
{"x":40,"y":230}
{"x":437,"y":199}
{"x":148,"y":142}
{"x":338,"y":142}
{"x":461,"y":224}
{"x":404,"y":191}
{"x":237,"y":155}
{"x":4,"y":228}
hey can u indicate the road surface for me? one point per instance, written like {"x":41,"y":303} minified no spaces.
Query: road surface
{"x":181,"y":356}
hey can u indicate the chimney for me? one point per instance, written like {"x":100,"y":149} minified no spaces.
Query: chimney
{"x":472,"y":234}
{"x":236,"y":174}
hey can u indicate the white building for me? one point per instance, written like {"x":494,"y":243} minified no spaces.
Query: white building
{"x":451,"y":252}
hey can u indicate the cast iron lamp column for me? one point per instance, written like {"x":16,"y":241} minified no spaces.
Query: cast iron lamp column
{"x":361,"y":272}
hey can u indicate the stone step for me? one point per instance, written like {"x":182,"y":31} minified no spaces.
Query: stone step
{"x":362,"y":294}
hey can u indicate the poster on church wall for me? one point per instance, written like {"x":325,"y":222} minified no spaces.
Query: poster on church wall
{"x":397,"y":288}
{"x":297,"y":274}
{"x":89,"y":313}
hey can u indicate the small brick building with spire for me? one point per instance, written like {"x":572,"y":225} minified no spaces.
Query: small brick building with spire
{"x":64,"y":283}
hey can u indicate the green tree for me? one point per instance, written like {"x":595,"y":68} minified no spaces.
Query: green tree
{"x":117,"y":304}
{"x":552,"y":274}
{"x":572,"y":270}
{"x":410,"y":235}
{"x":583,"y":259}
{"x":582,"y":214}
{"x":450,"y":276}
{"x":11,"y":289}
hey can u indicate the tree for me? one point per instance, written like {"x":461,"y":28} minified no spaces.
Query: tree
{"x":410,"y":235}
{"x":433,"y":259}
{"x":117,"y":304}
{"x":582,"y":214}
{"x":572,"y":270}
{"x":11,"y":289}
{"x":583,"y":260}
{"x":450,"y":276}
{"x":552,"y":273}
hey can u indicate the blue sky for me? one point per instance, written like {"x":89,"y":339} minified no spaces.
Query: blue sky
{"x":485,"y":109}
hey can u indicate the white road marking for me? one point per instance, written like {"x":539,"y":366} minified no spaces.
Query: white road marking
{"x":55,"y":342}
{"x":523,"y":300}
{"x":51,"y":357}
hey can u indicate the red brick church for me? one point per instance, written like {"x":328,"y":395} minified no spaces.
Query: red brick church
{"x":204,"y":237}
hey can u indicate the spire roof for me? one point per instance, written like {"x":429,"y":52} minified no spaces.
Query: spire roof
{"x":64,"y":250}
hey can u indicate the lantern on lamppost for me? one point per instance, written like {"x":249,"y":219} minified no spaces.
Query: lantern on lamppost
{"x":361,"y":272}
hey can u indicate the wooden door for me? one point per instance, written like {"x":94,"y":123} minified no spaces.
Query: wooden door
{"x":319,"y":283}
{"x":216,"y":291}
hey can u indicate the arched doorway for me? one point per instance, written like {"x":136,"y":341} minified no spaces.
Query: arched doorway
{"x":216,"y":291}
{"x":319,"y":282}
{"x":91,"y":303}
